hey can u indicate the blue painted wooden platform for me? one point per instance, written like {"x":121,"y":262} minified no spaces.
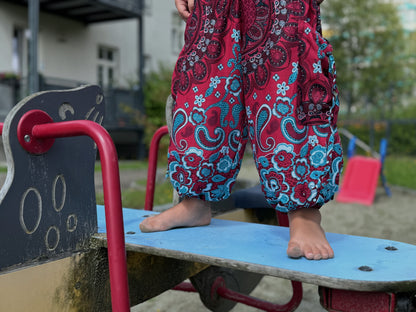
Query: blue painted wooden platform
{"x":262,"y":249}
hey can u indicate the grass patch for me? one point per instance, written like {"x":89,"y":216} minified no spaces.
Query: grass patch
{"x":130,"y":165}
{"x":135,"y":198}
{"x":400,"y":171}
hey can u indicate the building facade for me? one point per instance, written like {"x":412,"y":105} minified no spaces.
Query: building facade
{"x":104,"y":53}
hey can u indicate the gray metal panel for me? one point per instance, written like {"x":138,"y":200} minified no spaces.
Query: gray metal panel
{"x":47,"y":204}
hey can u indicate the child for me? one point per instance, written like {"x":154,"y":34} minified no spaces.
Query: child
{"x":257,"y":70}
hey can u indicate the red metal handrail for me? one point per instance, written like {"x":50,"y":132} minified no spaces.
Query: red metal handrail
{"x":151,"y":171}
{"x":112,"y":198}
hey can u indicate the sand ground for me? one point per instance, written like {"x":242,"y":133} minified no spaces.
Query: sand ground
{"x":389,"y":217}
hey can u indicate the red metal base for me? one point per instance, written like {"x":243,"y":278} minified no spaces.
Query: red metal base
{"x":220,"y":289}
{"x":338,"y":300}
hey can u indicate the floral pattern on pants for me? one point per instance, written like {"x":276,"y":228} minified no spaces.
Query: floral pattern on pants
{"x":259,"y":71}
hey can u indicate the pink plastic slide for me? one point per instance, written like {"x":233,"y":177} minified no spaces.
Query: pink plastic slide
{"x":360,"y":181}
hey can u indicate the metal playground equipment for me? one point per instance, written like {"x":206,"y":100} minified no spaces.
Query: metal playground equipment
{"x":100,"y":261}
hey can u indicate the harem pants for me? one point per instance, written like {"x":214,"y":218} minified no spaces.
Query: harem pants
{"x":258,"y":70}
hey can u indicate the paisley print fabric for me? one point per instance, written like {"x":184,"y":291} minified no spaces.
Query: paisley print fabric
{"x":258,"y":71}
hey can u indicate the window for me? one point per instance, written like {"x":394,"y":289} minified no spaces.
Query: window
{"x":107,"y":68}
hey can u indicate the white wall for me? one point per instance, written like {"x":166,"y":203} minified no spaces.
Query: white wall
{"x":65,"y":50}
{"x":68,"y":49}
{"x":10,"y":15}
{"x":158,"y":22}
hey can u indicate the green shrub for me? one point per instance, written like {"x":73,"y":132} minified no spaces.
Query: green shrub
{"x":400,"y":134}
{"x":157,"y":88}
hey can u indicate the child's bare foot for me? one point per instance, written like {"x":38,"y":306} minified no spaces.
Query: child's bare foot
{"x":307,"y":238}
{"x":189,"y":212}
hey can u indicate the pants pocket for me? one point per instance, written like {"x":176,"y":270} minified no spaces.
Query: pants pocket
{"x":318,"y":95}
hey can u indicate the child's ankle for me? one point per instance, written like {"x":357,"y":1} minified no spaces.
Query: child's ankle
{"x":311,"y":214}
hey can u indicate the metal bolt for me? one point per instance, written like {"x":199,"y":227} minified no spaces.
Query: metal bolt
{"x":131,"y":232}
{"x":365,"y":268}
{"x":391,"y":248}
{"x":27,"y":138}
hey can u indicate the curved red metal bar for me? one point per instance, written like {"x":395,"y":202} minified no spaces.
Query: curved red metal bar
{"x":291,"y":305}
{"x":112,"y":198}
{"x":151,"y":172}
{"x":219,"y":288}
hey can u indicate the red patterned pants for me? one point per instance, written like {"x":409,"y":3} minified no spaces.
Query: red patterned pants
{"x":257,"y":70}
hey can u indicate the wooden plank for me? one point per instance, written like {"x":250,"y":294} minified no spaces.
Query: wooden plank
{"x":261,"y":249}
